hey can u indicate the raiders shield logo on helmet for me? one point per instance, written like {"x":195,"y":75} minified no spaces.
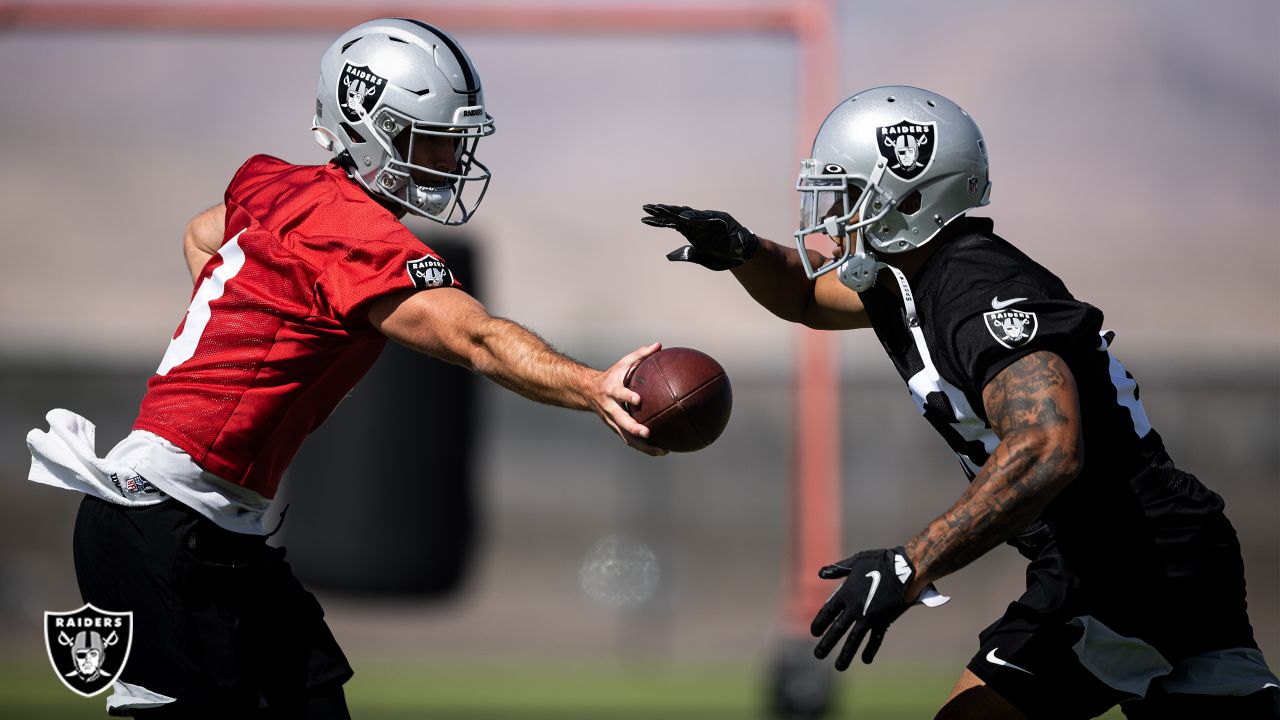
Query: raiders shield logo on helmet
{"x":908,"y":146}
{"x":88,"y":647}
{"x":358,"y":91}
{"x":429,"y":272}
{"x":1011,"y":328}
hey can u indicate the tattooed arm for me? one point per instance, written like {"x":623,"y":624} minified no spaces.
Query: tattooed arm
{"x":1033,"y":407}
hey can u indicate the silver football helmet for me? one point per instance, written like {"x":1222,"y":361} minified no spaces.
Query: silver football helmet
{"x":891,"y":167}
{"x":389,"y":85}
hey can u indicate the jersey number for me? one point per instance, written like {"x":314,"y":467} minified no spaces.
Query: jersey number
{"x":183,"y":347}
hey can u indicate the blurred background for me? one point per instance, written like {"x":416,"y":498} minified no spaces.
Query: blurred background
{"x":1134,"y":151}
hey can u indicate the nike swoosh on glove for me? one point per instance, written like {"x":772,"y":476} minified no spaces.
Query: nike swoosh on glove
{"x":872,"y":596}
{"x":716,"y":240}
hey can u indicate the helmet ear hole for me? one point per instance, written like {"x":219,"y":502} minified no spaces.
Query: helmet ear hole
{"x":352,"y":135}
{"x":910,"y":204}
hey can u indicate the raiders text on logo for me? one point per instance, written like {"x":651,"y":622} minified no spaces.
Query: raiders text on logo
{"x":88,"y":647}
{"x":358,"y":91}
{"x":1011,"y":328}
{"x":429,"y":272}
{"x":908,"y":147}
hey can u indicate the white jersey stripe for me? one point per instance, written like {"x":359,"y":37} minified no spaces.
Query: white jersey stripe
{"x":183,"y":347}
{"x":1126,"y":390}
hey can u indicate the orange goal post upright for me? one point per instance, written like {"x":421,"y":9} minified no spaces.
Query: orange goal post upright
{"x":814,"y":509}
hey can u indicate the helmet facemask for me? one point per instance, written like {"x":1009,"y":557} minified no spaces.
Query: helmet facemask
{"x":449,"y":198}
{"x":830,"y":200}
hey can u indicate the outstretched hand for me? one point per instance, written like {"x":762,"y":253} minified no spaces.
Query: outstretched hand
{"x":609,"y":394}
{"x":716,"y":240}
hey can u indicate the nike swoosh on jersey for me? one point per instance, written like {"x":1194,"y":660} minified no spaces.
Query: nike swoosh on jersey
{"x":998,"y":304}
{"x":991,"y":658}
{"x":875,"y":583}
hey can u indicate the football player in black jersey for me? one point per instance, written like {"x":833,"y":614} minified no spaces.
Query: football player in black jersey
{"x":1135,"y":587}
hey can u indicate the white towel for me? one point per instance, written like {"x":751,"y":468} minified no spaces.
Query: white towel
{"x":65,"y":457}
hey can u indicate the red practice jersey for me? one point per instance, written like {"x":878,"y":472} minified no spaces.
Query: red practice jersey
{"x":277,"y":333}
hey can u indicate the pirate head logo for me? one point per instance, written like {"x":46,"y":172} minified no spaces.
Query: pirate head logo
{"x":358,"y":91}
{"x":429,"y":272}
{"x":1011,"y":328}
{"x":908,"y":147}
{"x":88,"y":647}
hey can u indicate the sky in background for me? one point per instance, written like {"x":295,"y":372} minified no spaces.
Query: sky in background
{"x":1134,"y":151}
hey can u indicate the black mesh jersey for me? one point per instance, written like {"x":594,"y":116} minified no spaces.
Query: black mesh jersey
{"x":1136,"y":542}
{"x":982,"y":304}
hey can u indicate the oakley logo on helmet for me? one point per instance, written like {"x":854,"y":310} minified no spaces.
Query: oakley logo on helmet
{"x":908,"y":147}
{"x":1011,"y":328}
{"x":88,"y":647}
{"x":833,"y":169}
{"x":358,"y":91}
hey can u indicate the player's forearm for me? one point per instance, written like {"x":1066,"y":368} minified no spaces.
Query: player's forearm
{"x":519,"y":360}
{"x":1018,"y":481}
{"x":1033,"y":406}
{"x":775,"y":278}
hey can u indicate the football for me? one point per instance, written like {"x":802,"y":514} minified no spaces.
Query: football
{"x":685,"y":398}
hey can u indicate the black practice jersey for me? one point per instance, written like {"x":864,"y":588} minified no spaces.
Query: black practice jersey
{"x":1133,"y":542}
{"x":983,"y":304}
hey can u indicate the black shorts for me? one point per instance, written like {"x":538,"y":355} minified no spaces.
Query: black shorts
{"x":1147,"y":611}
{"x":220,"y":622}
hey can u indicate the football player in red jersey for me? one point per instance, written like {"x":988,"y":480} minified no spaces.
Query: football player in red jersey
{"x":301,"y":275}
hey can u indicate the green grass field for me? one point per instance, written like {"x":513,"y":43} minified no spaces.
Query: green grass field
{"x":434,"y":692}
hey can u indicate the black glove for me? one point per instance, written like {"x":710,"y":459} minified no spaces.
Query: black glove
{"x":716,"y":240}
{"x":872,"y":597}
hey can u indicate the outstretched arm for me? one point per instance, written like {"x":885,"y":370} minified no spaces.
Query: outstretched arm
{"x":775,"y":278}
{"x":771,"y":273}
{"x":1033,"y":407}
{"x":451,"y":325}
{"x":203,"y":238}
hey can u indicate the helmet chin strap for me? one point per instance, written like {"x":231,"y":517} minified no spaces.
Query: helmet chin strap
{"x":859,"y":272}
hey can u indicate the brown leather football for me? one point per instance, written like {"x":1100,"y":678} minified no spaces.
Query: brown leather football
{"x":685,"y":398}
